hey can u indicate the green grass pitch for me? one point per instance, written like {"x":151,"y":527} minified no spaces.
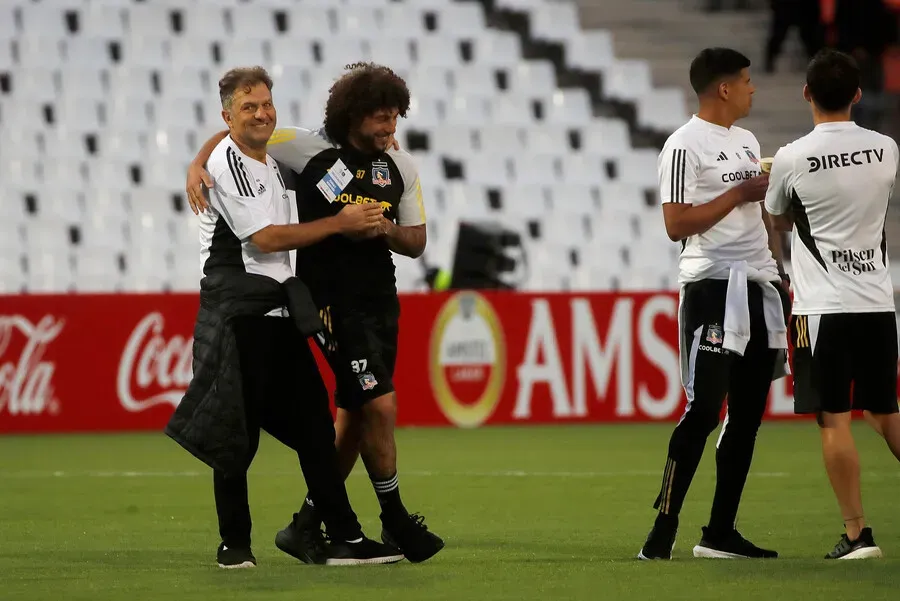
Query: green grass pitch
{"x":527,"y":513}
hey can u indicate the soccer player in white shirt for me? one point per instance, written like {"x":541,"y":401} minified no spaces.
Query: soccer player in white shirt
{"x":832,"y":188}
{"x":731,"y":319}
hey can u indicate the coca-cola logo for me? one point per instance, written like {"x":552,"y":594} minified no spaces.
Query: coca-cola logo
{"x":26,"y":380}
{"x":153,"y":370}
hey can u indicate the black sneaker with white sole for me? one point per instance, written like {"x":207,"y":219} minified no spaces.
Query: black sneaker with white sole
{"x":232,"y":558}
{"x":729,"y":545}
{"x":361,"y":552}
{"x":661,"y":540}
{"x":863,"y":547}
{"x":303,"y":539}
{"x":410,"y":534}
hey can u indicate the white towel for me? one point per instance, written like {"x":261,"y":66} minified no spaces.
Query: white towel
{"x":737,"y":309}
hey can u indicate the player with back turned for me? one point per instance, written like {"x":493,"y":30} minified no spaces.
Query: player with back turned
{"x":732,"y":329}
{"x":832,"y":187}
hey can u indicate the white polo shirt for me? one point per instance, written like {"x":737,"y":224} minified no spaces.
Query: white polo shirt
{"x":837,"y":181}
{"x":247,"y":196}
{"x":698,"y":163}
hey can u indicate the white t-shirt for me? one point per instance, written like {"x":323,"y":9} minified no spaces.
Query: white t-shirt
{"x":837,"y":181}
{"x":698,"y":163}
{"x":247,"y":196}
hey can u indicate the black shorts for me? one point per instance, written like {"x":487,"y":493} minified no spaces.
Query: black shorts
{"x":360,"y":344}
{"x":845,"y":361}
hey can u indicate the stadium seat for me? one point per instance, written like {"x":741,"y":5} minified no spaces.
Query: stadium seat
{"x":7,"y":58}
{"x":357,"y":22}
{"x":44,"y":20}
{"x":49,"y":271}
{"x":627,"y":79}
{"x":152,"y":51}
{"x":84,"y":84}
{"x":83,"y":52}
{"x":186,"y":81}
{"x":8,"y":29}
{"x":555,"y":21}
{"x":497,"y":49}
{"x":467,"y":111}
{"x":452,"y":140}
{"x":512,"y":111}
{"x":188,"y":52}
{"x":102,"y":21}
{"x":487,"y":169}
{"x":398,"y":21}
{"x":395,"y":51}
{"x":243,"y":51}
{"x":590,"y":50}
{"x":96,"y":271}
{"x":460,"y":19}
{"x":438,"y":51}
{"x":150,"y":19}
{"x":533,"y":78}
{"x":662,"y":109}
{"x":46,"y":52}
{"x":34,"y":85}
{"x":207,"y":21}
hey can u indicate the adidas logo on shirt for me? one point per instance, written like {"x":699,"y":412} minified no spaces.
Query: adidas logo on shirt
{"x":722,"y":157}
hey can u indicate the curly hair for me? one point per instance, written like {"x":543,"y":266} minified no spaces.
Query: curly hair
{"x":365,"y":89}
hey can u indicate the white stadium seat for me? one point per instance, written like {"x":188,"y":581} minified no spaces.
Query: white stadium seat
{"x":460,"y":19}
{"x":84,"y":52}
{"x":43,"y":20}
{"x":34,"y":85}
{"x":149,"y":51}
{"x":498,"y":49}
{"x":44,"y":52}
{"x":438,"y":51}
{"x":591,"y":50}
{"x":533,"y":77}
{"x":102,"y":21}
{"x":84,"y":84}
{"x":556,"y":21}
{"x":8,"y":29}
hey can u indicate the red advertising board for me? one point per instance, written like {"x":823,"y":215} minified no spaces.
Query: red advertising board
{"x":122,"y":362}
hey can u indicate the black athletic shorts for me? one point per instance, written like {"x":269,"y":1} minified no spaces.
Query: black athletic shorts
{"x":360,"y":344}
{"x":845,"y":361}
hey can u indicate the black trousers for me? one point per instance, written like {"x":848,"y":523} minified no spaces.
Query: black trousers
{"x":715,"y":374}
{"x":806,"y":16}
{"x":284,"y":395}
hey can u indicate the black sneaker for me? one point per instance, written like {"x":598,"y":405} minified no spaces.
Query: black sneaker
{"x":304,"y":540}
{"x":362,"y":552}
{"x":730,"y":545}
{"x":410,"y":534}
{"x":863,"y":547}
{"x":231,"y":558}
{"x":661,"y":539}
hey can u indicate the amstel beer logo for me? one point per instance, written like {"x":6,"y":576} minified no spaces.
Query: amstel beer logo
{"x":467,"y":359}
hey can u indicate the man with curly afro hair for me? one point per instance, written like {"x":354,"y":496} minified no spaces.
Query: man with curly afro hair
{"x":353,"y":160}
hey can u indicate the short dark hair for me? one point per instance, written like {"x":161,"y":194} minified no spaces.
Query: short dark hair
{"x":363,"y":90}
{"x":242,"y":78}
{"x":714,"y":64}
{"x":833,"y":79}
